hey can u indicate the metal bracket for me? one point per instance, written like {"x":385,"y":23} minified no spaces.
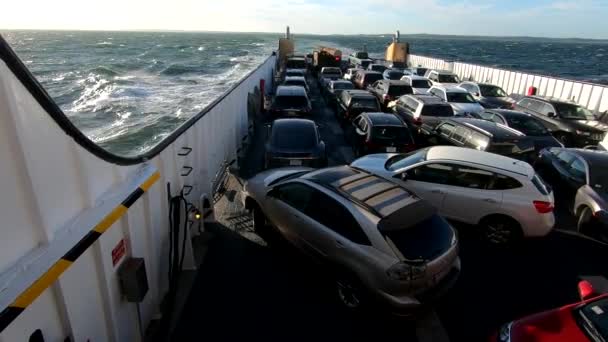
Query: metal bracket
{"x":188,"y":172}
{"x":184,"y":151}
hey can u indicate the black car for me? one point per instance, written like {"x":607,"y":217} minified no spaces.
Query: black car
{"x":380,"y":133}
{"x":571,"y":124}
{"x":376,"y":67}
{"x":484,"y":136}
{"x":294,"y":142}
{"x":351,"y":103}
{"x":525,"y":123}
{"x":335,"y":88}
{"x":488,"y":95}
{"x":387,"y":91}
{"x":290,"y":100}
{"x":422,"y":111}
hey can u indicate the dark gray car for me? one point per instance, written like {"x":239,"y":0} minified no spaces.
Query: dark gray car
{"x":488,"y":95}
{"x":294,"y":142}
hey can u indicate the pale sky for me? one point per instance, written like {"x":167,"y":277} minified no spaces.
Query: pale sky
{"x":548,"y":18}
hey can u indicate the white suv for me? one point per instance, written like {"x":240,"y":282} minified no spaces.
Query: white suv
{"x":503,"y":196}
{"x":442,"y":77}
{"x":461,"y":100}
{"x":419,"y":84}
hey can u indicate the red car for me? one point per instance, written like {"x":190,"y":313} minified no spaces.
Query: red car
{"x":586,"y":321}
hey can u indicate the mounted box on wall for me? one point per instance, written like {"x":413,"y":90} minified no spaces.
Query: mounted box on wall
{"x":133,"y":279}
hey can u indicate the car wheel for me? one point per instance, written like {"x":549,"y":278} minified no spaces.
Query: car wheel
{"x":349,"y":294}
{"x":259,"y":219}
{"x":501,"y":230}
{"x":563,"y":138}
{"x":585,"y":218}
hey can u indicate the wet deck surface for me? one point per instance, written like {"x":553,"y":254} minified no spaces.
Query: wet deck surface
{"x":257,"y":288}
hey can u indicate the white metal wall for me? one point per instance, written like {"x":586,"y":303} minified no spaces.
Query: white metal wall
{"x":592,"y":96}
{"x":52,"y":193}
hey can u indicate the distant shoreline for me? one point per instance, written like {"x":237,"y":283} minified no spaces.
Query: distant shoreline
{"x":388,"y":35}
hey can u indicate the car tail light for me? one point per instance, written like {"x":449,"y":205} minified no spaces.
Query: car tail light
{"x":543,"y":207}
{"x":337,"y":58}
{"x":387,"y":97}
{"x":403,"y":272}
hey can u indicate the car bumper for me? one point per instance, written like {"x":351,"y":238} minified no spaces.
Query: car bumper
{"x":538,"y":225}
{"x":408,"y":304}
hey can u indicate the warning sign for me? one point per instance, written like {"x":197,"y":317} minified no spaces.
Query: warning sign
{"x":119,"y":252}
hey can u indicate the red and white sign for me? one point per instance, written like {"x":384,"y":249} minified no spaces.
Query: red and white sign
{"x":119,"y":252}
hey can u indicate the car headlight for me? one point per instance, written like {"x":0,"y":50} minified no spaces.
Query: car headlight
{"x":504,"y":335}
{"x":584,"y":133}
{"x":404,"y":272}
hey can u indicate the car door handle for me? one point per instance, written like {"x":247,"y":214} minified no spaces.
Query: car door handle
{"x":438,"y":191}
{"x":339,"y":244}
{"x":490,"y":200}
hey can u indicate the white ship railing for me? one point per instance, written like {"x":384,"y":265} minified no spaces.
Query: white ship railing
{"x":67,"y":208}
{"x":592,"y":96}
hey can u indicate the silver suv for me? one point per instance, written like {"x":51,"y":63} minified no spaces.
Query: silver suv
{"x":383,"y":243}
{"x":503,"y":196}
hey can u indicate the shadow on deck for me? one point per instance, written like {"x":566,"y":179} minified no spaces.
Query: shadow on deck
{"x":248,"y":291}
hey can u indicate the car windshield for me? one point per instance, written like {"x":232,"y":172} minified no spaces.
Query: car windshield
{"x":294,"y":137}
{"x":437,"y":110}
{"x":364,"y":103}
{"x":296,"y":64}
{"x":460,"y":98}
{"x":425,"y":84}
{"x":362,"y":55}
{"x":448,"y":79}
{"x":594,"y":319}
{"x":491,"y":91}
{"x":394,"y":75}
{"x":527,"y":126}
{"x":398,"y":90}
{"x":573,"y":112}
{"x":290,"y":101}
{"x":344,"y":86}
{"x":404,"y":160}
{"x":424,"y":241}
{"x":398,"y":134}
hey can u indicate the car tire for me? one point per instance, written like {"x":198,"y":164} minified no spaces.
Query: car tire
{"x":259,"y":219}
{"x":563,"y":138}
{"x":584,"y":221}
{"x":349,"y":293}
{"x":501,"y":230}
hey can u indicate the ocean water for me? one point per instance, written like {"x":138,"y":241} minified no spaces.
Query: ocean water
{"x":129,"y":90}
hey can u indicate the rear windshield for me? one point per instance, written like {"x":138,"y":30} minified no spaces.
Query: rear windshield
{"x":290,"y":101}
{"x":391,"y":134}
{"x":398,"y":90}
{"x":491,"y":91}
{"x":448,"y":79}
{"x":343,"y":85}
{"x":425,"y":84}
{"x":404,"y":160}
{"x":572,"y":111}
{"x":424,"y":241}
{"x":421,"y":71}
{"x":332,"y":71}
{"x":296,"y":64}
{"x":362,"y":55}
{"x":378,"y":68}
{"x":437,"y":110}
{"x":295,"y":83}
{"x":394,"y":75}
{"x":294,"y":137}
{"x":371,"y":78}
{"x":365,"y":63}
{"x":364,"y":103}
{"x":460,"y":98}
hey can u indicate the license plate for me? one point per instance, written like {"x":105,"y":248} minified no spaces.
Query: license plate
{"x":295,"y":162}
{"x":391,"y":149}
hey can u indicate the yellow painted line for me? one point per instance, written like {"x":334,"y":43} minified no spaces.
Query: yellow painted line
{"x":150,"y":181}
{"x":28,"y":296}
{"x":109,"y":220}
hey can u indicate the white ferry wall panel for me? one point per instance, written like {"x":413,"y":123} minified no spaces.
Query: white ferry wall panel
{"x":592,"y":96}
{"x":57,"y":193}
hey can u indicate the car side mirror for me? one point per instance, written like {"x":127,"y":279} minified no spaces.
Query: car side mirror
{"x":551,"y":115}
{"x":585,"y":290}
{"x":476,"y":94}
